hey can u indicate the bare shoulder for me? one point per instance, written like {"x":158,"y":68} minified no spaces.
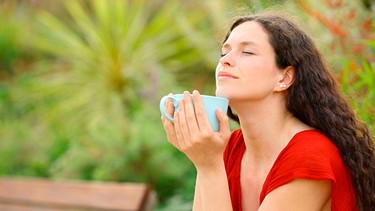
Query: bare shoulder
{"x":300,"y":194}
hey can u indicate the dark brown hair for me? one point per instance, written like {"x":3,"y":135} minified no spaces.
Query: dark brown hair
{"x":315,"y":98}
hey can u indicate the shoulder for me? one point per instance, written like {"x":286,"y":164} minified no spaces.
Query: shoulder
{"x":310,"y":136}
{"x":309,"y":155}
{"x":308,"y":143}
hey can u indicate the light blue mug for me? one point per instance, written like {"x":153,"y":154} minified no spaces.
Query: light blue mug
{"x":210,"y":103}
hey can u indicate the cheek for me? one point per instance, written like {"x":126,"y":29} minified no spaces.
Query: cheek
{"x":217,"y":71}
{"x":218,"y":66}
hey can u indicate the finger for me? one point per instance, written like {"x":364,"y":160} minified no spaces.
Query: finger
{"x":183,"y":124}
{"x":170,"y":131}
{"x":169,"y":108}
{"x":179,"y":136}
{"x":190,"y":114}
{"x":200,"y":113}
{"x":224,"y":124}
{"x":168,"y":125}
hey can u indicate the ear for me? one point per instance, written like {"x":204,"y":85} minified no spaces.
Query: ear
{"x":286,"y":78}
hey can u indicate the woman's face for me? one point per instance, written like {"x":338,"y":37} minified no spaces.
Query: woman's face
{"x":247,"y":69}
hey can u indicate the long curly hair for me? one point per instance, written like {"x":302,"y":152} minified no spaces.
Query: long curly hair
{"x":315,"y":98}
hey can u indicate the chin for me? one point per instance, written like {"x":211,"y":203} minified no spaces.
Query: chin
{"x":221,"y":94}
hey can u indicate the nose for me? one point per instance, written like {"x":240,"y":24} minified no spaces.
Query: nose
{"x":226,"y":60}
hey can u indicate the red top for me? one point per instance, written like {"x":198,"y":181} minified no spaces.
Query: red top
{"x":309,"y":155}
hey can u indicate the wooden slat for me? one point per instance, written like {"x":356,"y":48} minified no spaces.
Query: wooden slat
{"x":15,"y":207}
{"x":73,"y":195}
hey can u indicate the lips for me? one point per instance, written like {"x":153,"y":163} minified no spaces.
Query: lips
{"x":222,"y":75}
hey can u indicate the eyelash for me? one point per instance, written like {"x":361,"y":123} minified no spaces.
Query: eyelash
{"x":245,"y":52}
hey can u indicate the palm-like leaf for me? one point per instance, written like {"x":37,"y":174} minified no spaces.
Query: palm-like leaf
{"x":108,"y":63}
{"x":109,"y":51}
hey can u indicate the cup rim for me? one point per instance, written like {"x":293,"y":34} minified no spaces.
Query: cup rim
{"x":203,"y":95}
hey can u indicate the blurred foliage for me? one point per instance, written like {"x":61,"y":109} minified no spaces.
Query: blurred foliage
{"x":360,"y":89}
{"x":80,"y":81}
{"x":347,"y":38}
{"x":343,"y":27}
{"x":85,"y":109}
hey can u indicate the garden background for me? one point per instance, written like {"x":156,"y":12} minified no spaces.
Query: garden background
{"x":81,"y":80}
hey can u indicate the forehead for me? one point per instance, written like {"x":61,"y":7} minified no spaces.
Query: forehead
{"x":248,"y":32}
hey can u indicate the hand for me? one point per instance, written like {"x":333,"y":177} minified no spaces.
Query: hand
{"x":191,"y":132}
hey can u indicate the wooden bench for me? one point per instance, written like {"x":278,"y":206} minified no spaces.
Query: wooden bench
{"x":26,"y":194}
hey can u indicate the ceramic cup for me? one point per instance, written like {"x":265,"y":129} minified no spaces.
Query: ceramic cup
{"x":210,"y":103}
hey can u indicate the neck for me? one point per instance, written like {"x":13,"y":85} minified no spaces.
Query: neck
{"x":267,"y":129}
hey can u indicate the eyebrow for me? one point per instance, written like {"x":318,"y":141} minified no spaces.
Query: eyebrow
{"x":244,"y":43}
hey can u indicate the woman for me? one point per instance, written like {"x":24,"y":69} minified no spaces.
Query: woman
{"x":299,"y":146}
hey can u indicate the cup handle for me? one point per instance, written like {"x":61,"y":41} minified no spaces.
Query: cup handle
{"x":162,"y":107}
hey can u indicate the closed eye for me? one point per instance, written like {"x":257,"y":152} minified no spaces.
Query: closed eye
{"x":247,"y":52}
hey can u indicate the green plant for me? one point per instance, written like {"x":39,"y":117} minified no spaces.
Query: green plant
{"x":350,"y":48}
{"x":88,"y":110}
{"x":357,"y":82}
{"x":13,"y":57}
{"x":87,"y":105}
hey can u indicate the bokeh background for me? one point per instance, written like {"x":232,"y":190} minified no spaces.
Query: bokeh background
{"x":81,"y":80}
